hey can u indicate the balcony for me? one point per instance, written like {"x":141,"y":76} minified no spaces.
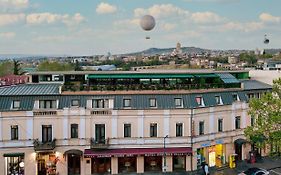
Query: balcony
{"x":44,"y":146}
{"x":99,"y":144}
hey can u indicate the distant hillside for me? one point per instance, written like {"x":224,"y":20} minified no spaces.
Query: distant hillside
{"x":159,"y":51}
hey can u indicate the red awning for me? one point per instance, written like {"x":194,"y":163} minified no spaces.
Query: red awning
{"x":128,"y":152}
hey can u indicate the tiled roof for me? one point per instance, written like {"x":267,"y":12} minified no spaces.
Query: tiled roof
{"x":255,"y":85}
{"x":30,"y":89}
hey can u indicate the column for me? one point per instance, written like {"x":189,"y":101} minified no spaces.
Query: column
{"x":169,"y":163}
{"x":87,"y":167}
{"x":188,"y":163}
{"x":114,"y":165}
{"x":140,"y":164}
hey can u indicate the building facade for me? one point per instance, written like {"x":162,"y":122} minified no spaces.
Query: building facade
{"x":47,"y":129}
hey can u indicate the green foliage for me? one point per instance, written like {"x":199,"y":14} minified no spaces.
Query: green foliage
{"x":6,"y":68}
{"x":249,"y":58}
{"x":55,"y":66}
{"x":17,"y":68}
{"x":267,"y":114}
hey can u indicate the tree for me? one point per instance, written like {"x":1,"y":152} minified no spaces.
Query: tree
{"x":17,"y":68}
{"x":77,"y":66}
{"x":266,"y":113}
{"x":55,"y":66}
{"x":6,"y":68}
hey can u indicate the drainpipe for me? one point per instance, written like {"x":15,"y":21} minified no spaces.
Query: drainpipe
{"x":191,"y":138}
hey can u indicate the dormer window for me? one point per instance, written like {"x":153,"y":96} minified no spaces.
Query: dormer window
{"x":152,"y":103}
{"x":178,"y":103}
{"x":16,"y":104}
{"x":47,"y":104}
{"x":100,"y":103}
{"x":218,"y":100}
{"x":75,"y":103}
{"x":126,"y":103}
{"x":199,"y":101}
{"x":235,"y":97}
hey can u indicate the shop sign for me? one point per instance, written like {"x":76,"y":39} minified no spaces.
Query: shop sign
{"x":206,"y":144}
{"x":219,"y":141}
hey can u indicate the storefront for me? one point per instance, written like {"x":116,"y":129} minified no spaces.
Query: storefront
{"x":179,"y":162}
{"x":14,"y":163}
{"x":46,"y":163}
{"x":101,"y":165}
{"x":73,"y":161}
{"x":213,"y":155}
{"x":152,"y":163}
{"x":127,"y":164}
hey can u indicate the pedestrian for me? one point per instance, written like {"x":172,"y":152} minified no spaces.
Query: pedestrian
{"x":203,"y":167}
{"x":206,"y":169}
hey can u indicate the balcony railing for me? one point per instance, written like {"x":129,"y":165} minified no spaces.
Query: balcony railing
{"x":44,"y":146}
{"x":36,"y":113}
{"x":99,"y":144}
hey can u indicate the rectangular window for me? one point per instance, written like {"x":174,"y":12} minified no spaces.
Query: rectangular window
{"x":14,"y":132}
{"x":126,"y":103}
{"x":218,"y":100}
{"x":199,"y":101}
{"x":100,"y":103}
{"x":152,"y":102}
{"x":179,"y":129}
{"x":237,"y":122}
{"x":75,"y":103}
{"x":201,"y":128}
{"x":220,"y":125}
{"x":252,"y":120}
{"x":178,"y":102}
{"x":47,"y":133}
{"x":47,"y":104}
{"x":14,"y":165}
{"x":153,"y":130}
{"x":100,"y":133}
{"x":127,"y":130}
{"x":16,"y":104}
{"x":251,"y":95}
{"x":74,"y":131}
{"x":235,"y":97}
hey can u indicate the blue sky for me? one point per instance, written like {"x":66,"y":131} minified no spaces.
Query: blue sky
{"x":92,"y":27}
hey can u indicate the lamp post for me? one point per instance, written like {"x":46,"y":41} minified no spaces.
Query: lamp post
{"x":165,"y":166}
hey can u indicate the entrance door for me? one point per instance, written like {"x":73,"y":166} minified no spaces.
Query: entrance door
{"x":100,"y":133}
{"x":41,"y":167}
{"x":238,"y":151}
{"x":74,"y":164}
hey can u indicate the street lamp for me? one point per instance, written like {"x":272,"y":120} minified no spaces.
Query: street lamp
{"x":164,"y":167}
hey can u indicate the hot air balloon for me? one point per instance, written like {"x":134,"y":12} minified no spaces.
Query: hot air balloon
{"x":266,"y":40}
{"x":147,"y":23}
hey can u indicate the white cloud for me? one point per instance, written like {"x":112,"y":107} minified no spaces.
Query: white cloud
{"x":245,"y":27}
{"x":206,"y":17}
{"x":161,"y":10}
{"x":60,"y":38}
{"x":105,"y":8}
{"x":50,"y":18}
{"x":7,"y":35}
{"x":8,"y":19}
{"x":268,"y":18}
{"x":168,"y":26}
{"x":12,"y":5}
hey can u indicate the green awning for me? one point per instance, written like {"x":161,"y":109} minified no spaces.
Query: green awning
{"x":13,"y":154}
{"x":138,"y":76}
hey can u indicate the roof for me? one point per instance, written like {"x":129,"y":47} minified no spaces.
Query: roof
{"x":254,"y":85}
{"x":228,"y":78}
{"x":30,"y":89}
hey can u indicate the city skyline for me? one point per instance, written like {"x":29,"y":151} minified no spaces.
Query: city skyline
{"x":98,"y":27}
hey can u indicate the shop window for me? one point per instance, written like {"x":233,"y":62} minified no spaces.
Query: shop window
{"x":127,"y":165}
{"x":16,"y":104}
{"x":75,"y":103}
{"x":47,"y":104}
{"x":220,"y":125}
{"x":153,"y":130}
{"x":178,"y":163}
{"x":74,"y":131}
{"x":127,"y":130}
{"x":15,"y":165}
{"x":153,"y":163}
{"x":14,"y":132}
{"x":201,"y":128}
{"x":179,"y":130}
{"x":100,"y":133}
{"x":100,"y":103}
{"x":47,"y":133}
{"x":152,"y":102}
{"x":178,"y":103}
{"x":218,"y":100}
{"x":237,"y":122}
{"x":127,"y":103}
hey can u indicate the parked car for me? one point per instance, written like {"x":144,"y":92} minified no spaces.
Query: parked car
{"x":254,"y":171}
